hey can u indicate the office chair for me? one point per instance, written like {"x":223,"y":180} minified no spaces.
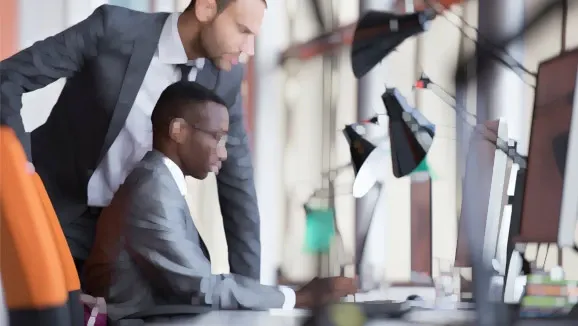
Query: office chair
{"x":71,"y":279}
{"x":32,"y":276}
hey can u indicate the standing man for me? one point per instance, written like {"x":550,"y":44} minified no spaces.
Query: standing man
{"x":117,"y":62}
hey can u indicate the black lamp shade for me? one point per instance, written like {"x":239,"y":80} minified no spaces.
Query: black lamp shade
{"x":367,"y":160}
{"x":410,"y":133}
{"x":378,"y":33}
{"x":359,"y":147}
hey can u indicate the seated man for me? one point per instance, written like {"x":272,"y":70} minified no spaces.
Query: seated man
{"x":147,"y":250}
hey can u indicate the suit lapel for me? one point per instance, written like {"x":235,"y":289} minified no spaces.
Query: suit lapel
{"x":156,"y":158}
{"x":144,"y":48}
{"x":209,"y":76}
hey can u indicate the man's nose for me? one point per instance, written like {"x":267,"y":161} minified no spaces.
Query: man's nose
{"x":249,"y":46}
{"x":222,"y":153}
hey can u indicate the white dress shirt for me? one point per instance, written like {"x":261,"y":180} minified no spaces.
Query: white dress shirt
{"x":179,"y":178}
{"x":135,"y":138}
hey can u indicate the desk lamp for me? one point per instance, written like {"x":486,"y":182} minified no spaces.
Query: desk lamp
{"x":410,"y":133}
{"x":378,"y":33}
{"x":365,"y":156}
{"x":410,"y":138}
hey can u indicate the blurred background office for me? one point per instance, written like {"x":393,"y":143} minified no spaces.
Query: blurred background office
{"x":294,"y":112}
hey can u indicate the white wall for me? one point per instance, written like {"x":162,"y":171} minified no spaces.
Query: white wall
{"x":39,"y":20}
{"x":269,"y":136}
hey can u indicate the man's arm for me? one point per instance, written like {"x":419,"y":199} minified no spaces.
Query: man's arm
{"x":238,"y":199}
{"x":156,"y":239}
{"x":59,"y":56}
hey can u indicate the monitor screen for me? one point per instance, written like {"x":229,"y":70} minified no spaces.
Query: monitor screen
{"x":552,"y":116}
{"x":477,"y":185}
{"x":497,"y":225}
{"x":569,"y":208}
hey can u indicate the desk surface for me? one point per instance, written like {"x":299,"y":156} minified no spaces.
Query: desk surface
{"x":295,"y":318}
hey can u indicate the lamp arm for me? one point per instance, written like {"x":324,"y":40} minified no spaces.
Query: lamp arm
{"x":499,"y":143}
{"x":331,"y":175}
{"x":483,"y":58}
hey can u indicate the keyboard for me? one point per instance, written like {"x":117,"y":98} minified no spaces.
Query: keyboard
{"x":384,"y":308}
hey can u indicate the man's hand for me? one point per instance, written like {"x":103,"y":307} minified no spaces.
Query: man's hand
{"x":323,"y":290}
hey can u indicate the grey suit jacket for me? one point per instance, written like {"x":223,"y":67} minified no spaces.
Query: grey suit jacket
{"x":105,"y":58}
{"x":147,"y":252}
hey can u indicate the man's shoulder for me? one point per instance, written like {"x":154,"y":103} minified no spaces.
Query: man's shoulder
{"x":124,"y":20}
{"x":114,"y":11}
{"x":147,"y":175}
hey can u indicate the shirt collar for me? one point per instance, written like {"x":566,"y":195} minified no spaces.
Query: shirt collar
{"x":170,"y":49}
{"x":177,"y":175}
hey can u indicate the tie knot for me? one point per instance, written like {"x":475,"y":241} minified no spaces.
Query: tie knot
{"x":185,"y":71}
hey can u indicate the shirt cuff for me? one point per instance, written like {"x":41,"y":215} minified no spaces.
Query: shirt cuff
{"x":290,"y":298}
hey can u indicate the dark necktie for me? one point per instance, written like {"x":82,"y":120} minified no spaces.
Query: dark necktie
{"x":185,"y":71}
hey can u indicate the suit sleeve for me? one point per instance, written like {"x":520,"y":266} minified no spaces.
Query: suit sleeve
{"x":157,"y":240}
{"x":237,"y":198}
{"x":58,"y":56}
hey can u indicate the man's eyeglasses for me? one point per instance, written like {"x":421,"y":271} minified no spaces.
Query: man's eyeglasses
{"x":220,"y":138}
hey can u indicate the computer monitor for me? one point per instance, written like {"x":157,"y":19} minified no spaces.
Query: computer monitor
{"x":569,"y":208}
{"x":550,"y":129}
{"x":497,"y":225}
{"x":484,"y":188}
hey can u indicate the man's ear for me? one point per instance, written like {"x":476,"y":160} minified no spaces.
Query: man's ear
{"x":178,"y":130}
{"x":206,"y":10}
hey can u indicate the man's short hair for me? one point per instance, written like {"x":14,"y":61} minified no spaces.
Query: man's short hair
{"x":221,"y":4}
{"x":176,"y":99}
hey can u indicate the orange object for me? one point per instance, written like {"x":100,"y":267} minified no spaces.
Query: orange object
{"x":9,"y":30}
{"x":30,"y":267}
{"x":69,"y":269}
{"x":71,"y":279}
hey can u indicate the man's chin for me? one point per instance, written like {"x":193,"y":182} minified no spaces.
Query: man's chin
{"x":201,"y":176}
{"x":224,"y":65}
{"x":215,"y":170}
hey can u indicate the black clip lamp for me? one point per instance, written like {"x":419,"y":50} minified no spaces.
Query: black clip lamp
{"x":410,"y":133}
{"x":410,"y":138}
{"x":378,"y":33}
{"x":366,"y":158}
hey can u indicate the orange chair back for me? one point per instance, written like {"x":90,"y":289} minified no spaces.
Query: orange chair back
{"x":70,"y":274}
{"x":71,"y":279}
{"x":32,"y":276}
